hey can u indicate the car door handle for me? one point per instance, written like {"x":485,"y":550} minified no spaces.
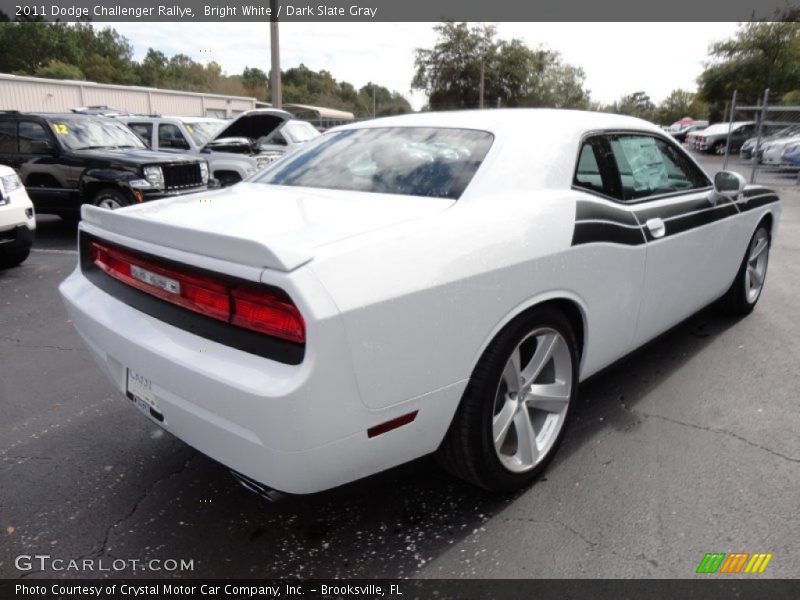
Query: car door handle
{"x":656,"y":227}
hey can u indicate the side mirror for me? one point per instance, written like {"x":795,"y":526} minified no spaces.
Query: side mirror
{"x":729,"y":183}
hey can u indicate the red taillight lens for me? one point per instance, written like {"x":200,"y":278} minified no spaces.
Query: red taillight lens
{"x":264,"y":310}
{"x":268,"y":313}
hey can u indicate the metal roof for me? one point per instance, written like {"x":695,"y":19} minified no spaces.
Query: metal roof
{"x":322,"y":112}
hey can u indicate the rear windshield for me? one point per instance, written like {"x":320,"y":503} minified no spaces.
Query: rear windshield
{"x":415,"y":161}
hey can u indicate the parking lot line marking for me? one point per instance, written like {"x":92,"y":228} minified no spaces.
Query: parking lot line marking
{"x":53,"y":251}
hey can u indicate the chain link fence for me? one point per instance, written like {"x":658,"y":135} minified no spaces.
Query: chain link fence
{"x":762,"y":141}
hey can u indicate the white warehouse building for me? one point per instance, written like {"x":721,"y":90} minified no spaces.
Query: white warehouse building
{"x":35,"y":94}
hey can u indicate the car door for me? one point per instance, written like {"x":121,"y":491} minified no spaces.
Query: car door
{"x":8,"y":144}
{"x":686,"y":224}
{"x":48,"y":179}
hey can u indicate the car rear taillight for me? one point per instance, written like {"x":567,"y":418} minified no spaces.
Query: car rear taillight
{"x":258,"y":308}
{"x":268,"y":314}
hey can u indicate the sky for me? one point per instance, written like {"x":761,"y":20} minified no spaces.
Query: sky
{"x":618,"y":58}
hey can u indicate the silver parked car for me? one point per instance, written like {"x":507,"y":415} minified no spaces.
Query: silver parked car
{"x":234,"y":149}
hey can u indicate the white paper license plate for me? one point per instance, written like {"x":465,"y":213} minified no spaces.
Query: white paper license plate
{"x":141,"y":389}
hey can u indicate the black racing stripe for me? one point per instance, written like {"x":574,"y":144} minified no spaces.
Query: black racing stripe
{"x":756,"y":190}
{"x":752,"y":201}
{"x":675,"y":209}
{"x":602,"y":211}
{"x":594,"y":232}
{"x":683,"y":223}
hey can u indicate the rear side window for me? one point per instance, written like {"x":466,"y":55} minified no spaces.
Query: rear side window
{"x":414,"y":161}
{"x":587,"y":174}
{"x":8,"y":137}
{"x":32,"y":137}
{"x":144,"y":131}
{"x":649,"y":166}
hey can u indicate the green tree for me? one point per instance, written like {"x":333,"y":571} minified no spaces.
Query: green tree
{"x":80,"y":51}
{"x":302,"y":85}
{"x":386,"y":101}
{"x":514,"y":74}
{"x":637,"y":104}
{"x":450,"y":71}
{"x":152,"y":71}
{"x":254,"y":79}
{"x":29,"y":45}
{"x":56,"y":69}
{"x":677,"y":105}
{"x":760,"y":55}
{"x":791,"y":98}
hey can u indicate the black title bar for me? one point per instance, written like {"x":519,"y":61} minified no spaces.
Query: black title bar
{"x":705,"y":587}
{"x":396,"y":10}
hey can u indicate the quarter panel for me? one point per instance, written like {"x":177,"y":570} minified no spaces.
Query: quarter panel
{"x":421,"y":302}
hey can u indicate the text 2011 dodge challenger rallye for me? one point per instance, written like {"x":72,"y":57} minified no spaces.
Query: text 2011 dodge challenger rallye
{"x":431,"y":282}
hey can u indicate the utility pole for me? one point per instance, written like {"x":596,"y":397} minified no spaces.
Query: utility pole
{"x":275,"y":52}
{"x":481,"y":85}
{"x":730,"y":128}
{"x":374,"y":113}
{"x":761,"y":118}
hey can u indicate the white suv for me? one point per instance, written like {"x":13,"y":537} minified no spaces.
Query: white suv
{"x":17,"y":220}
{"x":234,"y":149}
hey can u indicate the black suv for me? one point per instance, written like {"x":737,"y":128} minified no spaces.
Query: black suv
{"x":65,"y":160}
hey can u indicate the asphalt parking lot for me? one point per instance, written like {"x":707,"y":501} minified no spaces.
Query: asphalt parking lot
{"x":690,"y":446}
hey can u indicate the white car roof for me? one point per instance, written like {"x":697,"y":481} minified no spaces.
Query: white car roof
{"x":721,"y":127}
{"x":507,"y":121}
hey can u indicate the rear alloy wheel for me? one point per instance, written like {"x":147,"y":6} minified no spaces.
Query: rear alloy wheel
{"x":513,"y":414}
{"x":746,"y":289}
{"x":719,"y":148}
{"x":110,"y":198}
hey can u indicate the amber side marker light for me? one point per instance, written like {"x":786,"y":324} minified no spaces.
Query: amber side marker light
{"x":393,"y":424}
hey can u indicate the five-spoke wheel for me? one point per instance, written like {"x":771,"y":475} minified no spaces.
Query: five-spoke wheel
{"x":532,"y":399}
{"x":742,"y":296}
{"x":514,"y":411}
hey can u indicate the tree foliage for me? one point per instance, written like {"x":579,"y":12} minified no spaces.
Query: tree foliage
{"x":302,"y":85}
{"x":760,"y":55}
{"x":677,"y":105}
{"x":514,"y":74}
{"x":637,"y":104}
{"x":80,"y":51}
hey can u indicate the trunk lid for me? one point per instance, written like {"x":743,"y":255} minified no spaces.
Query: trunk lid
{"x":265,"y":226}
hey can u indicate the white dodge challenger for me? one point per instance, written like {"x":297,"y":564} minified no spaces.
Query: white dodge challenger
{"x":434,"y":282}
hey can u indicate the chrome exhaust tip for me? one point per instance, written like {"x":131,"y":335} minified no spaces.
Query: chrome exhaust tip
{"x":258,"y":488}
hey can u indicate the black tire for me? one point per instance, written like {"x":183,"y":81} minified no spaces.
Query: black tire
{"x":13,"y":258}
{"x":468,"y":450}
{"x":737,"y":300}
{"x":718,"y":148}
{"x":109,"y":197}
